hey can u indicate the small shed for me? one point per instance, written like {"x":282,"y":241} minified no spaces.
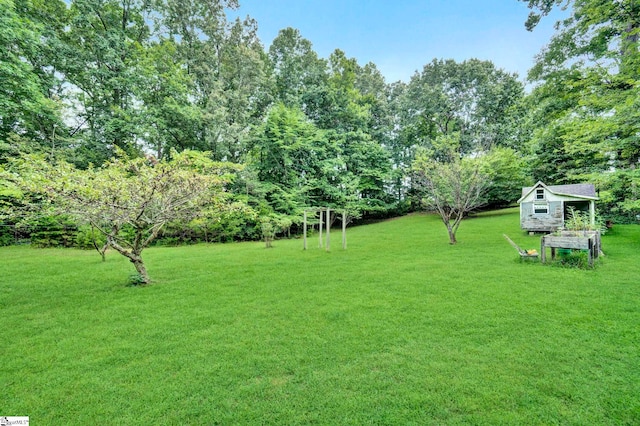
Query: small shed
{"x":543,"y":208}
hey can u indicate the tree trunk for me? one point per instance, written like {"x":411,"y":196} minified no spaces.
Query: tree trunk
{"x":103,"y":252}
{"x":134,"y":257}
{"x":452,"y":234}
{"x":142,"y":270}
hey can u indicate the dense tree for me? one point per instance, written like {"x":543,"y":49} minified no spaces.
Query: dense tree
{"x":170,"y":119}
{"x":471,"y":98}
{"x":132,"y":74}
{"x":292,"y":156}
{"x":229,"y":69}
{"x":101,"y":53}
{"x":163,"y":75}
{"x":243,"y":91}
{"x":365,"y":171}
{"x":348,"y":117}
{"x":299,"y":75}
{"x":507,"y":173}
{"x":376,"y":93}
{"x":27,"y":93}
{"x":401,"y":142}
{"x":588,"y":97}
{"x":345,"y":109}
{"x":199,"y":28}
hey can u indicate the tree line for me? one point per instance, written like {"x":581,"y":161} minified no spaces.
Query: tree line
{"x":89,"y":82}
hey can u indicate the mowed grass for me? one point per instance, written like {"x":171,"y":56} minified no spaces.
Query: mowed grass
{"x":401,"y":328}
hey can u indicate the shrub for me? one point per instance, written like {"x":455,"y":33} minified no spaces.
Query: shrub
{"x":573,"y":259}
{"x":50,"y":231}
{"x":7,"y":235}
{"x":272,"y":225}
{"x":136,"y":280}
{"x":578,"y":220}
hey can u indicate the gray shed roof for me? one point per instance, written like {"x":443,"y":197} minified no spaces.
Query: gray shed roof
{"x":586,"y":190}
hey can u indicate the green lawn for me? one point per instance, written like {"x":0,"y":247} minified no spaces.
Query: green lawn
{"x":401,"y":328}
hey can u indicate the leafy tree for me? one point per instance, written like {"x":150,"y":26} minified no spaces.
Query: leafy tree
{"x":271,"y":225}
{"x":471,"y":98}
{"x":347,"y":116}
{"x":375,"y":93}
{"x":168,"y":116}
{"x":290,"y":156}
{"x":199,"y":29}
{"x":589,"y":92}
{"x":299,"y":75}
{"x":365,"y":172}
{"x":26,"y":104}
{"x":452,"y":185}
{"x":241,"y":94}
{"x":104,"y":42}
{"x":401,"y":143}
{"x":128,"y":200}
{"x":229,"y":69}
{"x":134,"y":75}
{"x":101,"y":49}
{"x":345,"y":109}
{"x":10,"y":194}
{"x":507,"y":172}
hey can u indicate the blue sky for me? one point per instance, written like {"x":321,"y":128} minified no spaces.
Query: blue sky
{"x":401,"y":36}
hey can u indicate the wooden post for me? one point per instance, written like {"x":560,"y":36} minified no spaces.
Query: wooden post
{"x":328,"y":220}
{"x":344,"y":226}
{"x":304,"y":230}
{"x":320,"y":231}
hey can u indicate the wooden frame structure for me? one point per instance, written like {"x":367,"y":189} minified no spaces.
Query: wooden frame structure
{"x":590,"y":243}
{"x":326,"y":211}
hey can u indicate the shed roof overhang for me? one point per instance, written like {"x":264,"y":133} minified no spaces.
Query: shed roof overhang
{"x":560,"y":190}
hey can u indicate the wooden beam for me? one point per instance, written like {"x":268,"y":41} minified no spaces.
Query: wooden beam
{"x":304,"y":231}
{"x":328,"y":220}
{"x":320,"y":231}
{"x":554,"y":242}
{"x":578,"y":243}
{"x":344,"y":230}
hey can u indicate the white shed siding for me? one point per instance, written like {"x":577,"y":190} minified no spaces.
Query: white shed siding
{"x":549,"y":197}
{"x":550,"y":203}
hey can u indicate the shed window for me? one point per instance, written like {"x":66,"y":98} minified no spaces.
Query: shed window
{"x":540,"y":194}
{"x":541,"y":208}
